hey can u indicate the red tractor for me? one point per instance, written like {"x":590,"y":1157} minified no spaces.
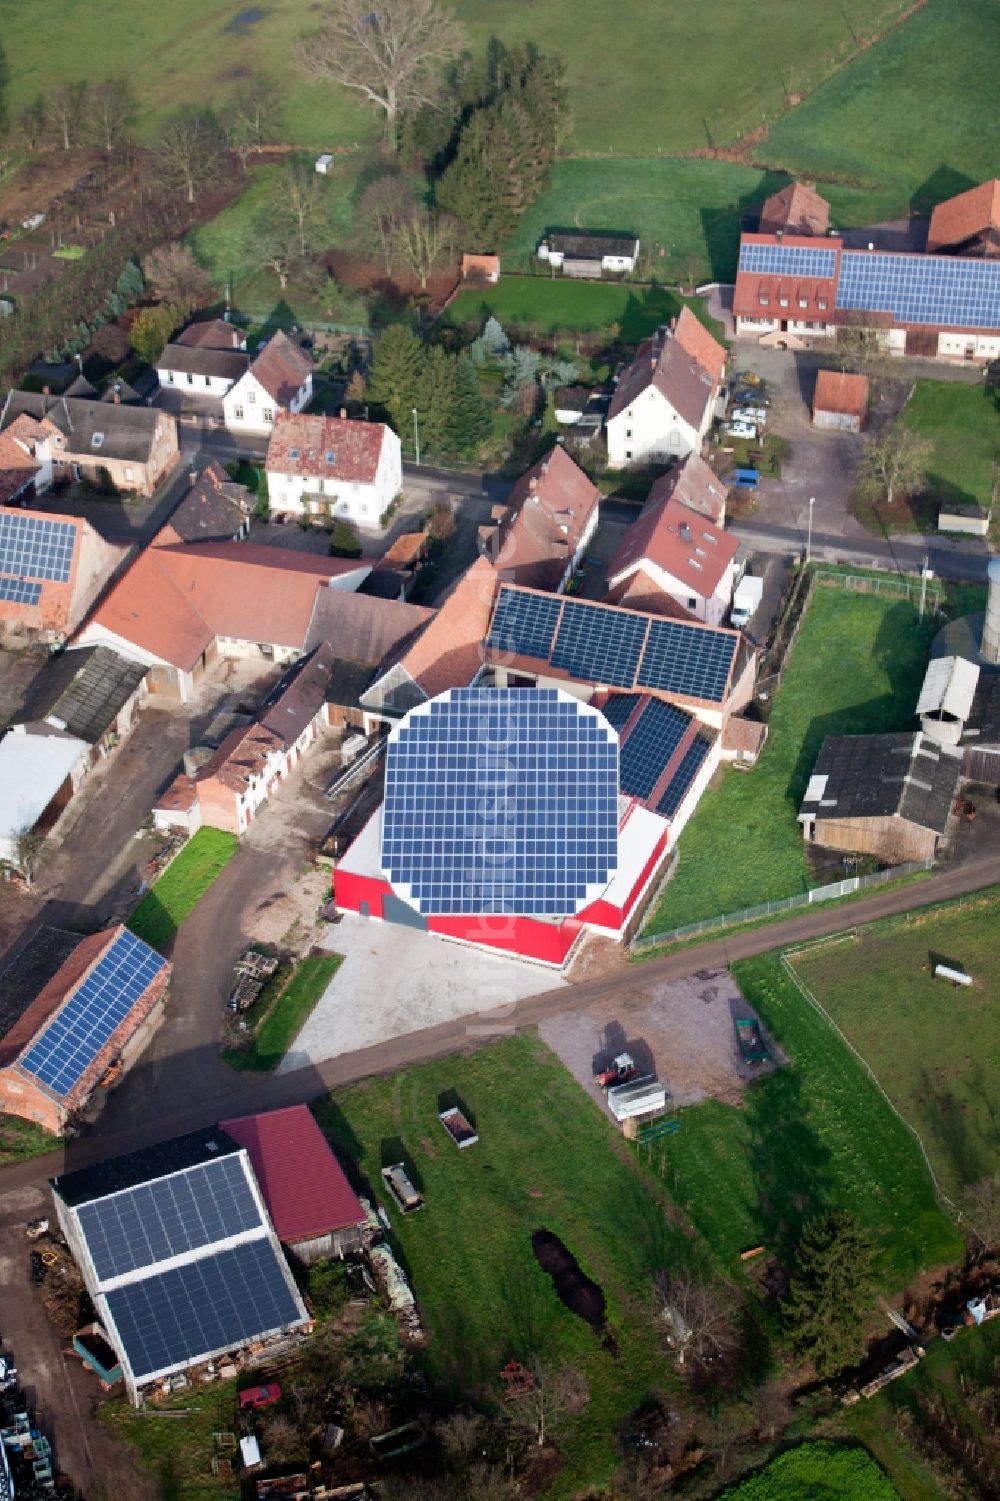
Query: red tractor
{"x":623,"y":1069}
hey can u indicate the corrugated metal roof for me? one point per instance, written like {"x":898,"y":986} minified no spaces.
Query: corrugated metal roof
{"x":949,"y":687}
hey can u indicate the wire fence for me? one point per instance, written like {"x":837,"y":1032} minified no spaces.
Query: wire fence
{"x":830,"y":893}
{"x":895,"y":585}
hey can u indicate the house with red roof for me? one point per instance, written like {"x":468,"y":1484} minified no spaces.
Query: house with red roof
{"x":52,"y":568}
{"x":313,"y":1208}
{"x":968,"y":224}
{"x":549,"y":518}
{"x":795,"y":210}
{"x":279,"y":380}
{"x":695,"y":485}
{"x":840,"y":401}
{"x":676,"y":553}
{"x":664,"y":401}
{"x":332,"y":467}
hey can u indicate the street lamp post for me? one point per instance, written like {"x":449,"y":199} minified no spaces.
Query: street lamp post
{"x":416,"y":433}
{"x":809,"y":533}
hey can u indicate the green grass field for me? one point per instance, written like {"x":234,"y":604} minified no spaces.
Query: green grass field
{"x":744,"y":845}
{"x":935,"y":1048}
{"x":282,"y":1015}
{"x":20,"y":1139}
{"x":808,"y":1137}
{"x":547,"y":305}
{"x":179,"y":1451}
{"x":182,"y":885}
{"x":545,"y":1159}
{"x":963,"y":423}
{"x":816,"y":1472}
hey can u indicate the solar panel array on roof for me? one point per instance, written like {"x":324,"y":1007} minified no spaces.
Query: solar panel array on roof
{"x":599,"y":646}
{"x":679,"y":784}
{"x":191,"y":1311}
{"x":524,"y":624}
{"x":78,"y":1032}
{"x":682,"y":659}
{"x":649,"y":746}
{"x":619,"y":708}
{"x":36,"y":548}
{"x":922,"y":289}
{"x":20,"y":591}
{"x":787,"y":260}
{"x":168,"y":1216}
{"x":501,"y":801}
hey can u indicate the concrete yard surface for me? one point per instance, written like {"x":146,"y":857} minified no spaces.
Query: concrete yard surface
{"x":395,"y":980}
{"x":681,"y":1030}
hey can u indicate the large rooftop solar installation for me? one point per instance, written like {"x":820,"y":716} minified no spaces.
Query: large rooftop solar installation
{"x":34,"y":547}
{"x":599,"y":645}
{"x":649,"y":746}
{"x":787,"y":260}
{"x":922,"y":289}
{"x":501,"y":801}
{"x":168,"y":1217}
{"x":674,"y":793}
{"x":78,"y":1031}
{"x":620,"y":707}
{"x":173,"y":1317}
{"x":524,"y":624}
{"x":20,"y":591}
{"x":683,"y":659}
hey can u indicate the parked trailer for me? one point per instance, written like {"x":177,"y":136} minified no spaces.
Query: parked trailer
{"x":751,"y":1040}
{"x":640,"y":1097}
{"x":399,"y":1184}
{"x":460,"y":1130}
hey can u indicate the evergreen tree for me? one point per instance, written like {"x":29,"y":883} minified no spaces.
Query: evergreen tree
{"x":396,"y":378}
{"x":472,"y":421}
{"x":131,"y":284}
{"x":437,"y":409}
{"x":831,"y":1292}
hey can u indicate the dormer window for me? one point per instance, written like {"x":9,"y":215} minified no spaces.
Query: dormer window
{"x":803,"y":302}
{"x":782,"y":301}
{"x":821,"y":303}
{"x":764,"y":300}
{"x":330,"y":456}
{"x":293,"y":453}
{"x":97,"y":440}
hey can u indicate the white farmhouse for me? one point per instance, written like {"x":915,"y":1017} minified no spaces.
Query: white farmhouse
{"x":199,"y":371}
{"x":331,"y":466}
{"x":665,"y":400}
{"x":589,"y":255}
{"x":672,"y":558}
{"x":279,"y":380}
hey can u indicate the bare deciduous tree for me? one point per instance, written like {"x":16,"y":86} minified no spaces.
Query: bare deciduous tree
{"x":695,"y":1319}
{"x":893,"y":463}
{"x":176,"y":277}
{"x":861,"y":349}
{"x":981,"y":1204}
{"x":390,"y":51}
{"x":257,"y":104}
{"x":28,"y":845}
{"x":555,"y":1394}
{"x":64,"y":112}
{"x":422,"y":239}
{"x":31,"y":123}
{"x":301,"y":190}
{"x":772,"y":1410}
{"x":111,"y":111}
{"x":383,"y":204}
{"x":190,"y":150}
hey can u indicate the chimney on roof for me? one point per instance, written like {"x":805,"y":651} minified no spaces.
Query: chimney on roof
{"x":343,"y":414}
{"x":46,"y":391}
{"x":685,"y":531}
{"x":778,"y":233}
{"x":673,"y":324}
{"x":533,"y":483}
{"x":192,"y":475}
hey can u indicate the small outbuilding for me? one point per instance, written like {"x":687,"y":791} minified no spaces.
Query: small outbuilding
{"x":324,"y":163}
{"x":480,"y":267}
{"x":841,"y":401}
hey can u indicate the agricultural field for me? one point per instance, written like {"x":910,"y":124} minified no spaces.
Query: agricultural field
{"x":545,"y":1160}
{"x":547,"y":305}
{"x":181,"y":887}
{"x":744,"y":845}
{"x":812,"y":1136}
{"x":934,"y":1047}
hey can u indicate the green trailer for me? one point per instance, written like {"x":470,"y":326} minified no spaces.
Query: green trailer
{"x":751,"y":1040}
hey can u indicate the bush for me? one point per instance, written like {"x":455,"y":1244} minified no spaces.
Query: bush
{"x":344,"y":540}
{"x":390,"y":511}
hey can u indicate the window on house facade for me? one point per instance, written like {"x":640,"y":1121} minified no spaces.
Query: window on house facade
{"x":208,"y":380}
{"x":268,"y":414}
{"x":170,"y":377}
{"x":128,"y":472}
{"x":628,"y":453}
{"x":628,"y":432}
{"x":692,"y":603}
{"x":190,"y":379}
{"x":238,"y":413}
{"x":251,"y":397}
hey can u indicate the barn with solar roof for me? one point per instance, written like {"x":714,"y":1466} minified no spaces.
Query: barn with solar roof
{"x":70,"y":1009}
{"x":51,"y":569}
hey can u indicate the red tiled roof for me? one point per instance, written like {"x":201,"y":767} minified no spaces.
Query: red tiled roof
{"x":214,"y":333}
{"x":637,"y":591}
{"x":798,"y":209}
{"x":682,"y":380}
{"x":281,"y":368}
{"x":303,"y":1185}
{"x":690,"y":549}
{"x":837,"y":391}
{"x":175,"y":600}
{"x":695,"y":485}
{"x":549,"y":510}
{"x":17,"y":467}
{"x":744,"y":735}
{"x":694,"y":337}
{"x":300,"y":445}
{"x":448,"y":653}
{"x":405,"y":551}
{"x":489,"y":265}
{"x":757,"y":294}
{"x":963,"y":217}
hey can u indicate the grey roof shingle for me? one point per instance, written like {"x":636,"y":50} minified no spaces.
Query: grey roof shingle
{"x":215,"y":509}
{"x":904,"y":776}
{"x":84,"y":689}
{"x":127,"y":432}
{"x":223,"y":364}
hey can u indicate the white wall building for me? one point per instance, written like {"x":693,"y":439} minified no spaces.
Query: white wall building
{"x":333,"y":467}
{"x":279,"y":380}
{"x":665,"y":400}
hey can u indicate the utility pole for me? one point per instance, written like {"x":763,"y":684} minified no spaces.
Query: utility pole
{"x":809,"y":533}
{"x":416,"y":434}
{"x":925,"y":574}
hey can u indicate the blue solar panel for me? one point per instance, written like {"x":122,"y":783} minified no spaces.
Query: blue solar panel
{"x":524,"y":624}
{"x":34,"y":547}
{"x":78,"y":1032}
{"x":649,"y":745}
{"x":169,"y":1216}
{"x":599,"y":645}
{"x":688,"y":659}
{"x":619,"y":707}
{"x":501,"y":801}
{"x":175,"y":1317}
{"x":921,"y":289}
{"x":787,"y":260}
{"x":682,"y":778}
{"x":20,"y":591}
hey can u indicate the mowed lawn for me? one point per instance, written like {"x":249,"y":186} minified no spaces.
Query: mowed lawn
{"x":182,"y":885}
{"x":936,"y":1048}
{"x":545,"y":1159}
{"x":811,"y":1136}
{"x":963,"y":424}
{"x":547,"y":305}
{"x":282,"y":1012}
{"x":856,"y":668}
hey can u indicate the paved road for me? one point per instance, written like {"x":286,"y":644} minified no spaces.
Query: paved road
{"x":175,"y":1099}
